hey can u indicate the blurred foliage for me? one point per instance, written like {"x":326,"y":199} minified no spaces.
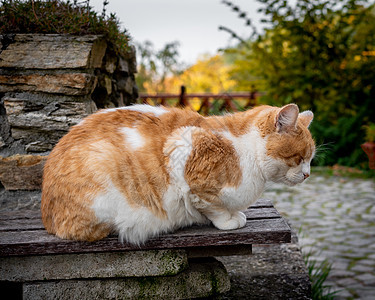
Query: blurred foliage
{"x":343,"y":173}
{"x":320,"y":55}
{"x":370,"y":132}
{"x":160,"y":71}
{"x":155,"y":66}
{"x":62,"y":17}
{"x":210,"y":74}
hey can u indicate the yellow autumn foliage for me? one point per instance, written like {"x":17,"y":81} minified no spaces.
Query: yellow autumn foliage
{"x":207,"y":75}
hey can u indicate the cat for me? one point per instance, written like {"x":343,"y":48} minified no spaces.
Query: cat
{"x":140,"y":171}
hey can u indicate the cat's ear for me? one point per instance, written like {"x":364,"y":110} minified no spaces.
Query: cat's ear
{"x":306,"y":117}
{"x":286,"y":118}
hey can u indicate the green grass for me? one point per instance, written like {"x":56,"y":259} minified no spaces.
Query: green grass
{"x":345,"y":172}
{"x":318,"y":273}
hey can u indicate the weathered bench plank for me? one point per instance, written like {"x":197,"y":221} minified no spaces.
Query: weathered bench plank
{"x":26,"y":236}
{"x":32,"y":220}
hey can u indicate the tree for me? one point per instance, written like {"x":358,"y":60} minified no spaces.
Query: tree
{"x":318,"y":54}
{"x":210,"y":74}
{"x":155,"y":66}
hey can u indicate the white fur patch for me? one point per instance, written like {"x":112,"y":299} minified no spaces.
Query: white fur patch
{"x":137,"y":224}
{"x":306,"y":168}
{"x":132,"y":224}
{"x":80,"y":123}
{"x":251,"y":151}
{"x":180,"y":209}
{"x":143,"y":108}
{"x":178,"y":148}
{"x":133,"y":137}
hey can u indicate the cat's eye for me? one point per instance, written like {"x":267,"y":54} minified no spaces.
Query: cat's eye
{"x":298,"y":159}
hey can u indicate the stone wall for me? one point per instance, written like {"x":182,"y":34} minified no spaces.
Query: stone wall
{"x":48,"y":83}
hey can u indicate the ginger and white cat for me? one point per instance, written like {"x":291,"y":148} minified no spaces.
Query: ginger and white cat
{"x":141,"y":170}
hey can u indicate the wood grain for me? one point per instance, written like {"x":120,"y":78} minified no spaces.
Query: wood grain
{"x":22,"y":172}
{"x":24,"y":235}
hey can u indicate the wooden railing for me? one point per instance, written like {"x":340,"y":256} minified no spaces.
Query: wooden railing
{"x":204,"y":103}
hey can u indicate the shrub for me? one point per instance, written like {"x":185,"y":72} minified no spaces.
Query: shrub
{"x":320,"y":55}
{"x":62,"y":17}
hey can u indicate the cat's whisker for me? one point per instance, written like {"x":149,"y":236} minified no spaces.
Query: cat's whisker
{"x":321,"y":151}
{"x":324,"y":147}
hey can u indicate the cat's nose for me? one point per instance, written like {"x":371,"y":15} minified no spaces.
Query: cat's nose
{"x":306,"y":175}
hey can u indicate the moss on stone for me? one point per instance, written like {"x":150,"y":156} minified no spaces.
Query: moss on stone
{"x":175,"y":259}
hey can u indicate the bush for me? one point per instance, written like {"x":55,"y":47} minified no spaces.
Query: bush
{"x":320,"y":55}
{"x":56,"y":16}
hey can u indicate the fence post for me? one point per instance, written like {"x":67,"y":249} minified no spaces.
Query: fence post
{"x":182,"y":99}
{"x":205,"y":107}
{"x":252,"y":97}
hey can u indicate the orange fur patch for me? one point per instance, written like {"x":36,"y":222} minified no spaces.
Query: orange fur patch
{"x":212,"y":165}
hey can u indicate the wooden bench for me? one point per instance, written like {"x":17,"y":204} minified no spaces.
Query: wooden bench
{"x":177,"y":265}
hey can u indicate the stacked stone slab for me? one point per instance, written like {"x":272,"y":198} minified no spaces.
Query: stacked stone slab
{"x":165,"y":274}
{"x":48,"y":83}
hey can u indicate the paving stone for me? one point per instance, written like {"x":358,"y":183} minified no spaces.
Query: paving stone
{"x":358,"y":242}
{"x":317,"y":258}
{"x":367,"y":262}
{"x":370,"y":296}
{"x":361,"y":268}
{"x":310,"y":249}
{"x":340,"y":273}
{"x":357,"y":230}
{"x":367,"y":279}
{"x":330,"y":254}
{"x":341,"y":264}
{"x":338,"y":242}
{"x":346,"y":282}
{"x":337,"y":221}
{"x":331,"y":204}
{"x":366,"y":293}
{"x":342,"y":294}
{"x":368,"y":217}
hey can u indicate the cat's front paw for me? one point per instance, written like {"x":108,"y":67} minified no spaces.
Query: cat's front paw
{"x":241,"y":218}
{"x":236,"y":220}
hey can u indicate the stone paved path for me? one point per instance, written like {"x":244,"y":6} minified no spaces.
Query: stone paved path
{"x":336,"y":219}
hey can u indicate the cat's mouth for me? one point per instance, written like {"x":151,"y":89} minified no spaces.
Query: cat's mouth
{"x":289,"y":182}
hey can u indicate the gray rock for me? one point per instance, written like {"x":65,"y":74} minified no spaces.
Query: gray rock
{"x":93,"y":265}
{"x":53,"y":51}
{"x":272,"y":272}
{"x":202,"y":279}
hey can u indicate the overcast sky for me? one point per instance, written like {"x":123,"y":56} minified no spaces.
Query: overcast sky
{"x":194,"y":23}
